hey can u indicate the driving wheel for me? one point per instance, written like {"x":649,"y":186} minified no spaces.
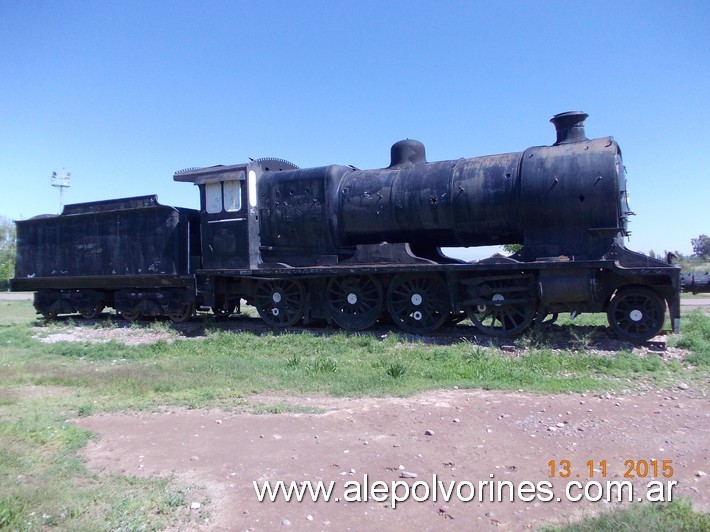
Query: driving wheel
{"x":354,"y":302}
{"x":636,"y":313}
{"x":503,"y":307}
{"x":418,"y":303}
{"x":280,"y":302}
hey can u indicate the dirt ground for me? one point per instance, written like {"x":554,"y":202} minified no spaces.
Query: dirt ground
{"x":457,"y":435}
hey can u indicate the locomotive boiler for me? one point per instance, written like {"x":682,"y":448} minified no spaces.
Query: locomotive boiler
{"x":352,"y":246}
{"x":568,"y":199}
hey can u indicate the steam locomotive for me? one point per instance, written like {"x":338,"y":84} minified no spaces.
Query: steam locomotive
{"x":355,"y":246}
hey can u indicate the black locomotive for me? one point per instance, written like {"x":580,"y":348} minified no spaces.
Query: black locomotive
{"x":354,"y":246}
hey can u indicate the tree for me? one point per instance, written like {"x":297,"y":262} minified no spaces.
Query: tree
{"x":512,"y":248}
{"x":701,"y":246}
{"x":7,"y":252}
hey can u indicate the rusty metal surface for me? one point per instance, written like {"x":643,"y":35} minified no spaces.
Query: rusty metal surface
{"x":130,"y":236}
{"x":567,"y":199}
{"x":306,"y":243}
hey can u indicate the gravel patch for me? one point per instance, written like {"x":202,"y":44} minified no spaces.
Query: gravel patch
{"x":127,"y":336}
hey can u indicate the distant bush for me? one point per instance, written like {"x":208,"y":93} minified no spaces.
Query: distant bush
{"x":7,"y":252}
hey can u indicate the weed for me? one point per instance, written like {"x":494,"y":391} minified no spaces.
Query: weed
{"x":396,"y":370}
{"x":477,"y":354}
{"x":322,"y":365}
{"x":534,"y":338}
{"x":9,"y":512}
{"x":176,"y":498}
{"x":581,"y":339}
{"x":695,"y":336}
{"x":85,"y":410}
{"x":284,"y":408}
{"x":675,"y":516}
{"x":366,"y":342}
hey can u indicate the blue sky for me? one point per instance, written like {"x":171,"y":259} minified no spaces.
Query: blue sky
{"x":124,"y":93}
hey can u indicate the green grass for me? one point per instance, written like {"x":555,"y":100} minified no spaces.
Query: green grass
{"x":12,"y":311}
{"x":225,"y":367}
{"x":43,"y":484}
{"x":671,"y":517}
{"x":696,"y":338}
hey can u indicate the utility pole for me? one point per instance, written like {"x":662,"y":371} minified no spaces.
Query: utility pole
{"x":61,"y":181}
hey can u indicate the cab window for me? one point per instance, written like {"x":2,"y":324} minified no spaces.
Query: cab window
{"x":232,"y":196}
{"x":223,"y":196}
{"x":213,"y":197}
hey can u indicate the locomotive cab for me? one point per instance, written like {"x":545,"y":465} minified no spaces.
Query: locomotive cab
{"x":223,"y":215}
{"x":228,"y":212}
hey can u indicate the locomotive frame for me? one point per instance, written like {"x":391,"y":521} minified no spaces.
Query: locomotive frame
{"x":350,"y":246}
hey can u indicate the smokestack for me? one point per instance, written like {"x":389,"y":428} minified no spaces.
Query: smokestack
{"x":569,"y":127}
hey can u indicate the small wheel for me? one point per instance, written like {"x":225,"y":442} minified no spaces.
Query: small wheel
{"x":93,"y":312}
{"x":50,"y":314}
{"x":182,"y":316}
{"x":280,"y":302}
{"x":226,"y":309}
{"x":354,"y":302}
{"x":505,"y":307}
{"x":418,"y":303}
{"x":220,"y":312}
{"x":132,"y":315}
{"x":636,"y":313}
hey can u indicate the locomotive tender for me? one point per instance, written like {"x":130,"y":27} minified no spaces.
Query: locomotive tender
{"x":352,"y":246}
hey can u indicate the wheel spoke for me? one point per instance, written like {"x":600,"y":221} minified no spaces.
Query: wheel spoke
{"x":280,"y":302}
{"x":182,"y":315}
{"x":92,"y":312}
{"x":354,"y":302}
{"x":498,"y":317}
{"x":636,"y":313}
{"x":132,"y":315}
{"x":418,"y":304}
